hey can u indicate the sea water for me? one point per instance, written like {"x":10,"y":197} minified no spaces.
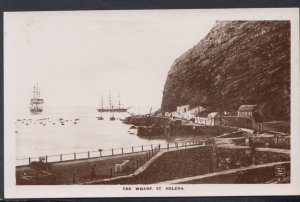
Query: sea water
{"x":45,"y":135}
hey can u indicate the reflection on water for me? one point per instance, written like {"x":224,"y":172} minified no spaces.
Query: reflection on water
{"x":55,"y":132}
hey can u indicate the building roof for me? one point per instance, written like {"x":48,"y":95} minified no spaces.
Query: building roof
{"x":196,"y":108}
{"x":247,"y":108}
{"x":183,"y":106}
{"x":212,"y":114}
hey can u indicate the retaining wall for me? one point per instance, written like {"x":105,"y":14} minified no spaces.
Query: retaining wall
{"x":209,"y":131}
{"x":169,"y":165}
{"x":181,"y":163}
{"x":268,"y":155}
{"x":248,"y":175}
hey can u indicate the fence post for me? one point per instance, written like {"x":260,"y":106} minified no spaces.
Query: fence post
{"x":122,"y":151}
{"x":168,"y":146}
{"x":29,"y":160}
{"x":100,"y":151}
{"x":151,"y":147}
{"x":60,"y":157}
{"x":132,"y":149}
{"x":46,"y":159}
{"x":88,"y":154}
{"x":74,"y":155}
{"x":111,"y":172}
{"x":184,"y":144}
{"x":159,"y":147}
{"x":142,"y":148}
{"x":112,"y":152}
{"x":177,"y":145}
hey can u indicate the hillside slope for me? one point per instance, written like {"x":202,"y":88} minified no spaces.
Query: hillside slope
{"x":238,"y":62}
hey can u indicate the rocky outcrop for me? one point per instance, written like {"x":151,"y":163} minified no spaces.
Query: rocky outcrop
{"x":238,"y":62}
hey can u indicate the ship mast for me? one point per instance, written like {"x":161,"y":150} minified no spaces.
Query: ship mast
{"x":34,"y":92}
{"x":102,"y":102}
{"x":37,"y":91}
{"x":119,"y":101}
{"x":109,"y":100}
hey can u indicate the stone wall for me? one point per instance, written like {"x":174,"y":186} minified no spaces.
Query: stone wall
{"x":200,"y":160}
{"x":146,"y":120}
{"x":169,"y":165}
{"x":279,"y":126}
{"x":229,"y":157}
{"x":209,"y":131}
{"x":249,"y":175}
{"x":272,"y":141}
{"x":242,"y":122}
{"x":268,"y":155}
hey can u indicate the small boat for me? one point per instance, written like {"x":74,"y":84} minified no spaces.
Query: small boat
{"x":112,"y":118}
{"x":100,"y":117}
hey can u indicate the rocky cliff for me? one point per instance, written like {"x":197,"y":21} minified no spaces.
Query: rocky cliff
{"x":238,"y":62}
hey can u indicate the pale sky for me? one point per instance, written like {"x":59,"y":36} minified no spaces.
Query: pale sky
{"x":77,"y":56}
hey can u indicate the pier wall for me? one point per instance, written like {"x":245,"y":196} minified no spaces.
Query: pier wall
{"x":269,"y":155}
{"x":244,"y":122}
{"x":169,"y":165}
{"x":273,"y":141}
{"x":230,"y":157}
{"x":201,"y":160}
{"x":206,"y":131}
{"x":147,"y":120}
{"x":262,"y":173}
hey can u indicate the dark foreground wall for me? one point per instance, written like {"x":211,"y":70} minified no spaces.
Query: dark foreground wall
{"x":249,"y":175}
{"x":182,"y":163}
{"x":170,"y":165}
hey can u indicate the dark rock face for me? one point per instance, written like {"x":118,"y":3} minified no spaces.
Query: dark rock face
{"x":238,"y":62}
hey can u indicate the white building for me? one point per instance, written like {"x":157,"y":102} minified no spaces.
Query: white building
{"x":201,"y":120}
{"x":183,"y":108}
{"x":213,"y":119}
{"x":246,"y":110}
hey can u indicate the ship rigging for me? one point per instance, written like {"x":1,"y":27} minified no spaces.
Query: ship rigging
{"x":36,"y":103}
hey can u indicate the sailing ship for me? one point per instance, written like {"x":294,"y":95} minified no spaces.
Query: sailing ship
{"x":111,"y":107}
{"x":36,"y":103}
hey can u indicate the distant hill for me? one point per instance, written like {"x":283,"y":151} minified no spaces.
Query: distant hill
{"x":238,"y":62}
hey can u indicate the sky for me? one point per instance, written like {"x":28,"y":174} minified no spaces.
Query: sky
{"x":77,"y":56}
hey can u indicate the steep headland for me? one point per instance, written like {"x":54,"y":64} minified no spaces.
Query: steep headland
{"x":238,"y":62}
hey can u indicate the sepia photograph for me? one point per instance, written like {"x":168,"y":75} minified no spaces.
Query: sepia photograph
{"x":151,"y":102}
